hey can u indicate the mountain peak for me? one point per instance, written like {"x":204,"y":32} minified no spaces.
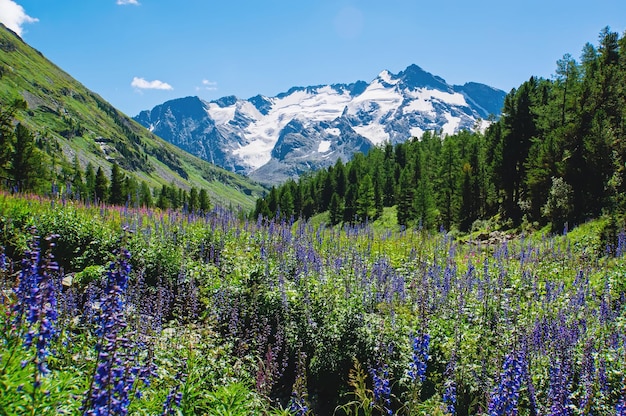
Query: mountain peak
{"x":272,"y":138}
{"x":415,"y":77}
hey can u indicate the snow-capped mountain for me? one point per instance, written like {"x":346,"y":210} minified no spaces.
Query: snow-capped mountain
{"x":274,"y":138}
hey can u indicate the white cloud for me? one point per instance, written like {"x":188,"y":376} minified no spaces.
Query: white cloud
{"x":125,"y":2}
{"x":13,"y":16}
{"x":143,"y":84}
{"x":207,"y":85}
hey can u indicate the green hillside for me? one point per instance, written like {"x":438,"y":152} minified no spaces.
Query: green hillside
{"x":69,"y":121}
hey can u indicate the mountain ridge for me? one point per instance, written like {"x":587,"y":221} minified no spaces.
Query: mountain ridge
{"x":73,"y":121}
{"x":333,"y":121}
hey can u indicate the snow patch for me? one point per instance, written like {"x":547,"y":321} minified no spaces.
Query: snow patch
{"x":449,"y":98}
{"x":221,"y":115}
{"x":416,"y":132}
{"x":452,"y":125}
{"x":324,"y":146}
{"x":375,"y":133}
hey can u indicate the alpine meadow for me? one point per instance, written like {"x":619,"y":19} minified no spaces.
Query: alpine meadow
{"x":476,"y":272}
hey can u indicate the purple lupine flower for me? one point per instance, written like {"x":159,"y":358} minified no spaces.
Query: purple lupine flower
{"x":382,"y":388}
{"x":297,"y":405}
{"x":449,"y":396}
{"x":36,"y":301}
{"x":559,"y":390}
{"x":505,"y":398}
{"x":175,"y":396}
{"x":450,"y":393}
{"x":116,"y":370}
{"x":620,"y":408}
{"x":417,"y":367}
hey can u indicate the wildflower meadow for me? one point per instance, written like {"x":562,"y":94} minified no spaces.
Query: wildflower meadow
{"x":114,"y":311}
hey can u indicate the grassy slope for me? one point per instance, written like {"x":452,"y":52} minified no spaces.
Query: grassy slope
{"x":75,"y":120}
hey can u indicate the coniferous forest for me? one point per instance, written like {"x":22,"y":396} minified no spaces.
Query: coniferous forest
{"x":364,"y":289}
{"x":556,"y":155}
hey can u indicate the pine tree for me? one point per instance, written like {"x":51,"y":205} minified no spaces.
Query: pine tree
{"x":340,"y":181}
{"x":26,"y":164}
{"x":406,"y":192}
{"x":366,"y":203}
{"x":286,"y":203}
{"x":131,"y":191}
{"x":78,"y":185}
{"x":101,"y":187}
{"x":335,"y":209}
{"x":7,"y":135}
{"x":163,"y":201}
{"x":448,"y":184}
{"x":90,"y":182}
{"x":204,"y":201}
{"x":350,"y":203}
{"x":194,"y":202}
{"x":116,"y":190}
{"x":145,"y":195}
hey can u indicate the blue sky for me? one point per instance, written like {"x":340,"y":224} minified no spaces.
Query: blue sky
{"x":139,"y":53}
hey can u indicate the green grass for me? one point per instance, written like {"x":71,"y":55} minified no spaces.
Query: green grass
{"x":59,"y":105}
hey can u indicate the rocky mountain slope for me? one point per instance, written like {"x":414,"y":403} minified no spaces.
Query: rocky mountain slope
{"x":68,"y":120}
{"x":271,"y":139}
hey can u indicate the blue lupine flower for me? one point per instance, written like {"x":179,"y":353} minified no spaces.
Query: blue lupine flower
{"x":175,"y":396}
{"x":505,"y":397}
{"x":116,"y":371}
{"x":449,"y":396}
{"x":36,"y":305}
{"x":382,"y":388}
{"x":417,"y":367}
{"x":620,"y":409}
{"x":297,"y":405}
{"x":559,"y":390}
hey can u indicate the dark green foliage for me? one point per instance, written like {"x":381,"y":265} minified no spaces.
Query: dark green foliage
{"x":90,"y":182}
{"x":27,"y":163}
{"x":335,"y":209}
{"x":193,"y":200}
{"x":116,"y":191}
{"x":569,"y":130}
{"x":145,"y":196}
{"x":101,"y":188}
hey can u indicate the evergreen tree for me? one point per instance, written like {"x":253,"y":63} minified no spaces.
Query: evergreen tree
{"x":340,"y":180}
{"x":116,"y":190}
{"x":350,"y":203}
{"x":262,"y":209}
{"x":90,"y":182}
{"x":406,"y":192}
{"x":101,"y":188}
{"x":131,"y":191}
{"x":448,"y":184}
{"x":163,"y":201}
{"x":145,"y":195}
{"x":424,"y":205}
{"x":194,"y":202}
{"x":286,"y":203}
{"x":328,"y":188}
{"x":26,"y":164}
{"x":366,"y":203}
{"x":7,"y":135}
{"x":335,"y":209}
{"x":78,"y":185}
{"x":204,"y":201}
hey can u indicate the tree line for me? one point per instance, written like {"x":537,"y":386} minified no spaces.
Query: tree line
{"x":28,"y":163}
{"x":557,"y":154}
